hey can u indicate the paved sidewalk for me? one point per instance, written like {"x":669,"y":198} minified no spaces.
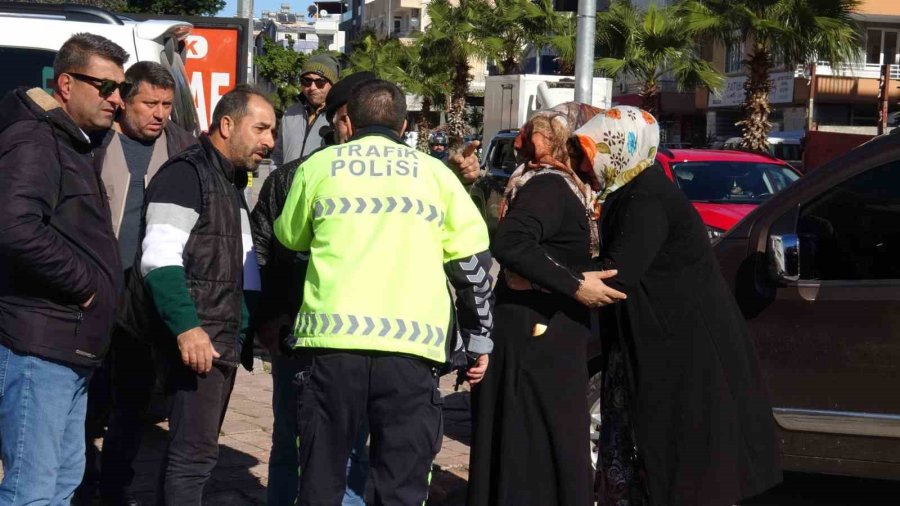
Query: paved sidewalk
{"x":242,"y":473}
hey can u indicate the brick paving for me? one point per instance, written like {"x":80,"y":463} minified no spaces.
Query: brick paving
{"x":241,"y":475}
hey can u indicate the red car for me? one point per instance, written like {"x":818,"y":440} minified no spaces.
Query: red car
{"x":725,"y":186}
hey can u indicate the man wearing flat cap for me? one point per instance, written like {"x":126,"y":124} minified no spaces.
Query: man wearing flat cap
{"x":304,"y":125}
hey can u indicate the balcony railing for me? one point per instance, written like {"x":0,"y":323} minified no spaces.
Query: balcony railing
{"x":864,"y":70}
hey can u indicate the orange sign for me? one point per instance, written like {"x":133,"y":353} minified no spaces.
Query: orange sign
{"x":212,"y":67}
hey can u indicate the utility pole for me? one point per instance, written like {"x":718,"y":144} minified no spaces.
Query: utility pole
{"x":884,"y":95}
{"x":584,"y":50}
{"x":245,"y":10}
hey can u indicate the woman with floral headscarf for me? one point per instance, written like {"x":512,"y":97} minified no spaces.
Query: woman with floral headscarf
{"x":686,"y":417}
{"x":531,"y":438}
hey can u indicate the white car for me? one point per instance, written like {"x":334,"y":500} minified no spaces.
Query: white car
{"x":31,"y":34}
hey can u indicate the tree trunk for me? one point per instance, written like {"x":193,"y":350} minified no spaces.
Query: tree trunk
{"x":566,"y":67}
{"x":424,"y":126}
{"x":510,"y":66}
{"x":456,"y":114}
{"x":755,"y":126}
{"x":649,"y":97}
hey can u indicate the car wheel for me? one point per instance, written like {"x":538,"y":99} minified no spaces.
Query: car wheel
{"x":593,"y":397}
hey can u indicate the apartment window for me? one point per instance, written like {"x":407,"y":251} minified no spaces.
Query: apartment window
{"x":881,"y":47}
{"x":398,"y":24}
{"x":734,"y":53}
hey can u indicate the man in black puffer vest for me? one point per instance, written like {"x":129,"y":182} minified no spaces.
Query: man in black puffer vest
{"x":191,"y":280}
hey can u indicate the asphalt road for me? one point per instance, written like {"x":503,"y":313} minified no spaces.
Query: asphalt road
{"x":818,"y":490}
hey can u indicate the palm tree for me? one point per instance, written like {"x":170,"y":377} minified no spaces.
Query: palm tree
{"x":430,"y":79}
{"x":511,"y":27}
{"x":560,"y":36}
{"x":454,"y":35}
{"x":386,"y":58}
{"x":793,"y":32}
{"x":648,"y":46}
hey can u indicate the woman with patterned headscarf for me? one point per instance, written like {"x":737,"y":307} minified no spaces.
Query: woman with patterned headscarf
{"x":531,"y":438}
{"x":686,"y":416}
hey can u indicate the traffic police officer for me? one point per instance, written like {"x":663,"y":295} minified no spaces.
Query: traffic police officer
{"x":386,"y":227}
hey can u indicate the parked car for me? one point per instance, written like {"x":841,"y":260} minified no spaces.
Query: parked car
{"x":497,"y":164}
{"x":725,"y":186}
{"x":786,"y":146}
{"x":32,"y":33}
{"x":816,"y":271}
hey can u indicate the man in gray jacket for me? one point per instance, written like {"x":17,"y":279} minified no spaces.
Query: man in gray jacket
{"x":304,"y":125}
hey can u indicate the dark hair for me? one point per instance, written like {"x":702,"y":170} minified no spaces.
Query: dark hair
{"x":377,"y":103}
{"x":75,"y":53}
{"x":234,"y":104}
{"x":148,"y":72}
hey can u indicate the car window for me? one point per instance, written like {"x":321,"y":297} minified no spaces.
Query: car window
{"x":26,"y":67}
{"x":852,"y":232}
{"x":503,"y":155}
{"x":787,"y":151}
{"x":731,"y":182}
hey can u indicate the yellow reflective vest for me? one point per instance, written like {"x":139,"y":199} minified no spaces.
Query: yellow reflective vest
{"x":379,"y":220}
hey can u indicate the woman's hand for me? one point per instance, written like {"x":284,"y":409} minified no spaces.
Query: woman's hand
{"x":593,"y":292}
{"x":476,"y":373}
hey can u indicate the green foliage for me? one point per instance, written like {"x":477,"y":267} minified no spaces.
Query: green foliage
{"x":281,"y":66}
{"x":511,"y":27}
{"x":182,"y":7}
{"x":175,"y":7}
{"x":649,"y":45}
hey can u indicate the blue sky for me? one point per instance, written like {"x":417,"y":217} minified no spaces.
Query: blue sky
{"x":265,"y":5}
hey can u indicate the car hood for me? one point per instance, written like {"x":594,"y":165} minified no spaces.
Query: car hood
{"x":722,"y":216}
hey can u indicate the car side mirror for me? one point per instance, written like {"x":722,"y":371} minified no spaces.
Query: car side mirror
{"x":784,"y":257}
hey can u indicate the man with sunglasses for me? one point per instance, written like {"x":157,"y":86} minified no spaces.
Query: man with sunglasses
{"x":304,"y":127}
{"x":60,"y":274}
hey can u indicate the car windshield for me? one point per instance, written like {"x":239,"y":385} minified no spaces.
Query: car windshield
{"x":732,"y":182}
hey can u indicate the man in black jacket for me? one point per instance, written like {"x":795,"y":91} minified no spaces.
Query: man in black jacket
{"x":131,"y":153}
{"x":60,"y":274}
{"x":191,"y":272}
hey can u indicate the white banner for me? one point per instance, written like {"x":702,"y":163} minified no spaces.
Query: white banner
{"x":733,"y":93}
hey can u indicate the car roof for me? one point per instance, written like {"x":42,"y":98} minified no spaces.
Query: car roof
{"x":711,"y":155}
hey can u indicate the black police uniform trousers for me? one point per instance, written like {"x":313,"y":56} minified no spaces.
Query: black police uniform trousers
{"x":399,"y":396}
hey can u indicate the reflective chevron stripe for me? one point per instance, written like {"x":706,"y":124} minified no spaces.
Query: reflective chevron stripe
{"x":378,"y":205}
{"x":316,"y":324}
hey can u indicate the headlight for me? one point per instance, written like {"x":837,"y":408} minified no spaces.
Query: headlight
{"x":714,"y":233}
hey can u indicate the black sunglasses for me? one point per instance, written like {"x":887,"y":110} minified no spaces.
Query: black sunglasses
{"x":320,"y":82}
{"x":106,"y":87}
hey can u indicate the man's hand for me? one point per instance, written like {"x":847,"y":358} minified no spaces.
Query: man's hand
{"x":196,"y":349}
{"x":476,"y":372}
{"x":465,"y":162}
{"x":593,"y":292}
{"x":86,"y":304}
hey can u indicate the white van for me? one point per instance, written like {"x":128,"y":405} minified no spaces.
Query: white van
{"x":31,"y":34}
{"x":784,"y":147}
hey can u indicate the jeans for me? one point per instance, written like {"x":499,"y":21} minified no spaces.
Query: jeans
{"x":42,"y":411}
{"x":198,"y":408}
{"x":283,"y":477}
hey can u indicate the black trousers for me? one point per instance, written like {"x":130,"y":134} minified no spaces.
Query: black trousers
{"x":399,"y":396}
{"x":133,"y":379}
{"x":195,"y":417}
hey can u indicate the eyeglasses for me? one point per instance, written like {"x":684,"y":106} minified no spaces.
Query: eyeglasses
{"x":306,"y":82}
{"x":106,"y":87}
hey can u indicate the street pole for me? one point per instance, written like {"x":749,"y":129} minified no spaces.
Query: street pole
{"x":245,"y":10}
{"x":584,"y":50}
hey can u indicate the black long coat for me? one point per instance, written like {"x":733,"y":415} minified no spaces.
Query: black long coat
{"x":702,"y":419}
